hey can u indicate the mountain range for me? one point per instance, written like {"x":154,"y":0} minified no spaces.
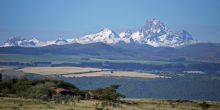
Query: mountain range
{"x":153,"y":33}
{"x":152,"y":41}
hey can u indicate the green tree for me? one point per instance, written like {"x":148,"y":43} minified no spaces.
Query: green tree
{"x":108,"y":93}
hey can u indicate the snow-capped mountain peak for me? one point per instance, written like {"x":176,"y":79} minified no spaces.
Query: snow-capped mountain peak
{"x":106,"y":35}
{"x":156,"y":34}
{"x":14,"y":41}
{"x":22,"y":42}
{"x":153,"y":25}
{"x":106,"y":30}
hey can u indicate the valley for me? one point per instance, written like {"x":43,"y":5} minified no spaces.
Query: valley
{"x":150,"y":78}
{"x":158,"y":80}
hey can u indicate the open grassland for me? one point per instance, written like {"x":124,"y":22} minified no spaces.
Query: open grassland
{"x":115,"y":74}
{"x":57,"y":70}
{"x":84,"y":72}
{"x":127,"y":104}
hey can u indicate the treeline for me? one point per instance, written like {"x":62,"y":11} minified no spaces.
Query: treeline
{"x":25,"y":64}
{"x":54,"y":90}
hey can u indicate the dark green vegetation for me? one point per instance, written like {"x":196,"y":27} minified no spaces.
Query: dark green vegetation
{"x":55,"y":90}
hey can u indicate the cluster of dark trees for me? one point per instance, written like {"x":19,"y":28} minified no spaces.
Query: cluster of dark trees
{"x":53,"y":89}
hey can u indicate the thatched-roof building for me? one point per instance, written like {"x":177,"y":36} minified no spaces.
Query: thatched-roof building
{"x":63,"y":91}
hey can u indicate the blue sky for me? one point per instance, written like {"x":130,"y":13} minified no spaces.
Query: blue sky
{"x":51,"y":19}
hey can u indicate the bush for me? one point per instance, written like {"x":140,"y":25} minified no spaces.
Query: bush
{"x":41,"y":91}
{"x":204,"y":105}
{"x":108,"y":93}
